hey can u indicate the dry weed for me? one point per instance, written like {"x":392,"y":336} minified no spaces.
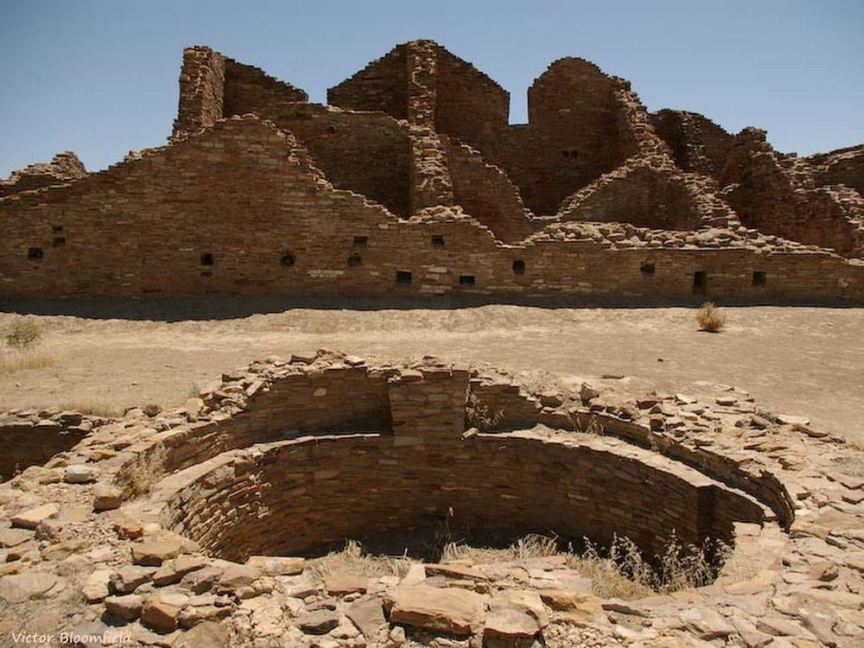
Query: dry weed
{"x":145,"y":471}
{"x":24,"y":360}
{"x":353,"y":559}
{"x":710,"y":318}
{"x":620,"y":571}
{"x":478,"y":415}
{"x":23,"y":333}
{"x":93,"y":408}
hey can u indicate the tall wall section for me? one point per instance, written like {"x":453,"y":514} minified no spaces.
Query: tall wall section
{"x":380,"y":86}
{"x":768,"y":197}
{"x":238,"y":209}
{"x":698,"y":144}
{"x":213,"y":86}
{"x":574,"y":135}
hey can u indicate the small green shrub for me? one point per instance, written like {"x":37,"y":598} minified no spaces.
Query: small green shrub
{"x":23,"y":334}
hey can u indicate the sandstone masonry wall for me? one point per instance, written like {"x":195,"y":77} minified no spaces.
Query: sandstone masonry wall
{"x":380,"y":86}
{"x":247,"y":214}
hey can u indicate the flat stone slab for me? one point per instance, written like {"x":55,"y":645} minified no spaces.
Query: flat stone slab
{"x":451,"y":610}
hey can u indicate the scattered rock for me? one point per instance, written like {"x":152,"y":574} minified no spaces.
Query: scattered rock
{"x":126,"y":607}
{"x":129,"y":577}
{"x":368,"y":615}
{"x":80,"y":474}
{"x":207,"y":634}
{"x":34,"y":517}
{"x":17,"y":588}
{"x":171,"y":571}
{"x":155,"y":552}
{"x":318,"y":622}
{"x":342,"y":584}
{"x":96,"y":587}
{"x":276,"y":565}
{"x":13,"y":537}
{"x":454,"y":611}
{"x":158,"y":615}
{"x":106,"y":497}
{"x":235,"y":576}
{"x":705,"y":623}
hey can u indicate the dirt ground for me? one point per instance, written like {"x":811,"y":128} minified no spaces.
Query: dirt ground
{"x":802,"y":361}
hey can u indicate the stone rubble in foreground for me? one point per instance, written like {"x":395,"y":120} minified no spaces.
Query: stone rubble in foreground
{"x":89,"y":547}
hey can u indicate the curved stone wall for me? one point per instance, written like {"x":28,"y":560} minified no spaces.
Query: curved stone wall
{"x":302,"y":496}
{"x":272,"y":462}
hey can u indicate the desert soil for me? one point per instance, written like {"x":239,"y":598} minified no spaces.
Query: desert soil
{"x":802,"y":361}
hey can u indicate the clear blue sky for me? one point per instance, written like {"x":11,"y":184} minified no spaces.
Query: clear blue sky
{"x":100,"y":77}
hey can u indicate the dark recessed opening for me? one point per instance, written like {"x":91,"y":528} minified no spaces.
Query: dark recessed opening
{"x":647,"y":269}
{"x":518,"y":267}
{"x":360,"y":241}
{"x":56,"y":228}
{"x":437,"y":241}
{"x":287,"y":260}
{"x":331,"y":129}
{"x":570,"y":153}
{"x":34,"y":253}
{"x":207,"y":258}
{"x":466,"y":280}
{"x":700,"y":281}
{"x":403,"y":277}
{"x":355,"y":260}
{"x":58,"y":241}
{"x":760,"y":278}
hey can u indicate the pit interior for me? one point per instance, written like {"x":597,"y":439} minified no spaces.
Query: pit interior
{"x":389,"y":458}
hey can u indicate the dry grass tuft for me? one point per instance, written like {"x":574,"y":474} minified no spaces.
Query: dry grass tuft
{"x":24,"y":360}
{"x":710,"y":318}
{"x":354,"y":560}
{"x":479,"y":415}
{"x":93,"y":408}
{"x":621,"y":571}
{"x":146,"y":471}
{"x":23,"y":333}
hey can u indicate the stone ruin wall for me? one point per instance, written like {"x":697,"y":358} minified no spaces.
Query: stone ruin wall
{"x":301,"y":199}
{"x":238,"y":210}
{"x":63,"y":168}
{"x":241,"y":503}
{"x":291,"y":474}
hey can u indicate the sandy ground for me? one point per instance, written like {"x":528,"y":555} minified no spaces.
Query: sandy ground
{"x":803,"y":361}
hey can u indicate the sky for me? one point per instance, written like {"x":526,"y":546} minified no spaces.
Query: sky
{"x":100,"y":77}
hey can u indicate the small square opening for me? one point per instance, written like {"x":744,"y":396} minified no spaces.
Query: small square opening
{"x":35,"y":253}
{"x":287,"y":260}
{"x":56,"y":228}
{"x":355,"y":260}
{"x":360,"y":241}
{"x":438,"y":241}
{"x":58,"y":241}
{"x":466,"y":280}
{"x":207,"y":259}
{"x":518,"y":267}
{"x":647,"y":269}
{"x":403,"y":278}
{"x":700,"y":282}
{"x":760,"y":278}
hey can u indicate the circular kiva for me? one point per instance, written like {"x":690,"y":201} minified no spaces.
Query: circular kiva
{"x":196,"y":525}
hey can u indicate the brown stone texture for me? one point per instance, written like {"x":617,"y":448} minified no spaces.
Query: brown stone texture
{"x":412,"y":183}
{"x":783,"y":493}
{"x":32,"y":437}
{"x":777,"y":196}
{"x":63,"y":168}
